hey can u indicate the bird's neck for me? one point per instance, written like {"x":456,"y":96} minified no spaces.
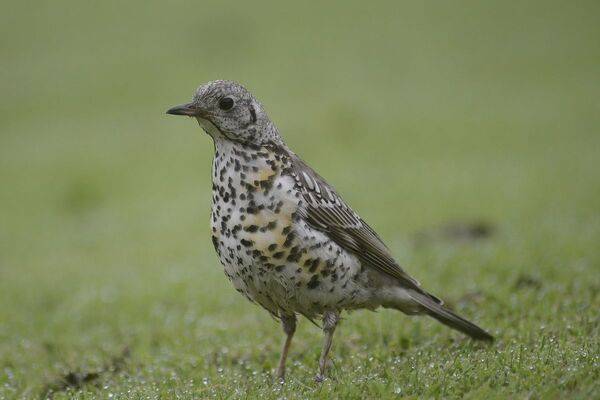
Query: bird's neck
{"x":226,"y":149}
{"x":235,"y":158}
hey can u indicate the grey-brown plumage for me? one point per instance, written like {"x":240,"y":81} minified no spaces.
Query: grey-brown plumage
{"x":286,"y":239}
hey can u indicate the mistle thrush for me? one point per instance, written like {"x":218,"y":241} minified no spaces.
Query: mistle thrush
{"x":285,"y":237}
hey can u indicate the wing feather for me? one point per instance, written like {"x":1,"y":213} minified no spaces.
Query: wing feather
{"x":326,"y":210}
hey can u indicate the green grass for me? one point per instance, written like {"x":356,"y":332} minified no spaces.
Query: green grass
{"x":421,"y":114}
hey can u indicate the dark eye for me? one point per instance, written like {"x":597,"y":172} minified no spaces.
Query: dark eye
{"x":226,"y":103}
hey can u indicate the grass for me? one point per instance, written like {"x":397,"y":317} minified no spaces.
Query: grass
{"x":423,"y":115}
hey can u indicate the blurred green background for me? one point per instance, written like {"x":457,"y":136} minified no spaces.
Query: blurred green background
{"x":422,"y":114}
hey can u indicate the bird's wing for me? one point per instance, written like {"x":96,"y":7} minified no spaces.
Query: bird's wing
{"x":325,"y":210}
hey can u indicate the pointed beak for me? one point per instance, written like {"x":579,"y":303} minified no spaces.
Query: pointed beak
{"x":188,"y":109}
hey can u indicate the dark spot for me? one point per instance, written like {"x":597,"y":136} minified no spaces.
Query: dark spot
{"x":251,"y":228}
{"x":314,"y":282}
{"x":289,"y":239}
{"x":267,"y":184}
{"x":525,"y":280}
{"x":294,"y":257}
{"x":271,"y":225}
{"x":79,"y":379}
{"x":468,"y":231}
{"x":250,"y":188}
{"x":246,"y":243}
{"x":314,"y":265}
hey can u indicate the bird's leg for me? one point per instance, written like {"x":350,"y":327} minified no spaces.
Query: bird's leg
{"x":330,"y":319}
{"x":288,"y":322}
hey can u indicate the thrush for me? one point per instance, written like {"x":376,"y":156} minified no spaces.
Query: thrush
{"x":286,"y":238}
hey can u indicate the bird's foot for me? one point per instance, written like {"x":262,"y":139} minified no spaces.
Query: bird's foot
{"x":281,"y":375}
{"x":319,"y":377}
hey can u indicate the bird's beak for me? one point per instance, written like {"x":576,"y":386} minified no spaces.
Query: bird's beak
{"x":188,"y":109}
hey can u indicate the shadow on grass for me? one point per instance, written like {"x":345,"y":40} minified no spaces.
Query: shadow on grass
{"x":79,"y":379}
{"x":458,"y":231}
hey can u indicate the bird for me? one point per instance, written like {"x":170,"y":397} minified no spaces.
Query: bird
{"x":286,"y":238}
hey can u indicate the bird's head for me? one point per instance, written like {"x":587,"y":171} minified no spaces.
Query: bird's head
{"x":226,"y":110}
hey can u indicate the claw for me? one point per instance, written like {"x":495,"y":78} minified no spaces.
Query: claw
{"x":319,"y":378}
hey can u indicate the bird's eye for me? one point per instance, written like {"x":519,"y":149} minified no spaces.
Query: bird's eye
{"x":226,"y":103}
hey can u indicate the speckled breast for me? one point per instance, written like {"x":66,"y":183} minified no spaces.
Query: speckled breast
{"x":253,"y":205}
{"x":268,"y":252}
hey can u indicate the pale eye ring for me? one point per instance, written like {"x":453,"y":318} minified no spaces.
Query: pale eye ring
{"x":226,"y":103}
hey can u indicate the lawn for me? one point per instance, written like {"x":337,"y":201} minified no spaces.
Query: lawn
{"x":467,"y":134}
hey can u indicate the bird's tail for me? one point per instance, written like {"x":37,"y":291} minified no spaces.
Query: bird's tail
{"x":448,"y":318}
